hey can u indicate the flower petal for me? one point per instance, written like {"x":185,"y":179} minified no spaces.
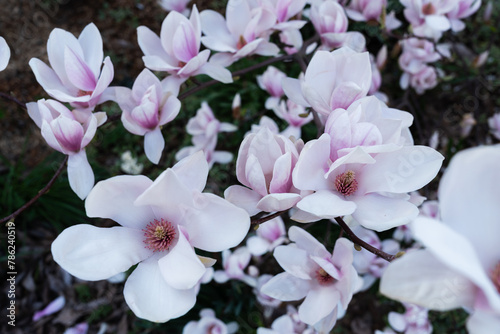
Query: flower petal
{"x":286,"y":287}
{"x":318,"y":303}
{"x":80,"y":174}
{"x":95,"y":253}
{"x":154,"y":145}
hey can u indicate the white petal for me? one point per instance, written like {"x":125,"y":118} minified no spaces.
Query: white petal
{"x":4,"y":54}
{"x":419,"y":278}
{"x":244,"y":198}
{"x":114,"y":199}
{"x":151,"y":298}
{"x":286,"y":287}
{"x":94,"y":253}
{"x":80,"y":174}
{"x":154,"y":145}
{"x":278,"y":202}
{"x":326,"y":204}
{"x":294,"y":261}
{"x":319,"y":302}
{"x":192,"y":171}
{"x":181,"y":268}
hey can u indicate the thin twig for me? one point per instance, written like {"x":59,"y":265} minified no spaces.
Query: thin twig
{"x":37,"y":196}
{"x":13,"y":99}
{"x":354,"y":238}
{"x":258,"y":219}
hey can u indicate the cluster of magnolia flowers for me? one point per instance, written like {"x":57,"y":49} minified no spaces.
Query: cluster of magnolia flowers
{"x":361,"y":172}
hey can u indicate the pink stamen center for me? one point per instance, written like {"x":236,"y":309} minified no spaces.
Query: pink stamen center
{"x":323,"y":277}
{"x":83,"y":93}
{"x":346,"y":183}
{"x":495,"y":277}
{"x":241,"y":42}
{"x":159,"y":235}
{"x":428,"y":9}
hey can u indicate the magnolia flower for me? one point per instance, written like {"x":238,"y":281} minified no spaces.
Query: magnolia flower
{"x":367,"y":264}
{"x":416,"y":53}
{"x":366,"y":10}
{"x":293,"y":114}
{"x":428,"y":17}
{"x":284,"y":11}
{"x":265,"y":163}
{"x":204,"y":128}
{"x":177,"y":50}
{"x":371,"y":187}
{"x":460,"y":266}
{"x":69,"y":132}
{"x":288,"y":324}
{"x":161,"y":223}
{"x":332,"y":80}
{"x":129,"y":164}
{"x":327,"y":281}
{"x":425,"y":79}
{"x":269,"y":303}
{"x":330,"y":21}
{"x":146,"y":108}
{"x":76,"y":74}
{"x":270,"y":81}
{"x":54,"y":306}
{"x":494,"y":123}
{"x":462,"y":10}
{"x":244,"y":31}
{"x":269,"y":235}
{"x":4,"y":54}
{"x":209,"y":324}
{"x":175,"y":5}
{"x":414,"y":321}
{"x":234,"y":264}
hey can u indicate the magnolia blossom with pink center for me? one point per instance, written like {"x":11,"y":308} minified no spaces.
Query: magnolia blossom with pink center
{"x":330,"y":21}
{"x":416,"y":53}
{"x":366,"y":10}
{"x":284,"y":10}
{"x":204,"y":128}
{"x":270,"y":81}
{"x":76,"y":76}
{"x":177,"y":49}
{"x":4,"y":54}
{"x":367,"y":264}
{"x":244,"y":31}
{"x":161,"y":223}
{"x":332,"y":80}
{"x":372,"y":187}
{"x":264,"y":166}
{"x":146,"y":108}
{"x":415,"y":320}
{"x":460,"y":265}
{"x":462,"y":10}
{"x":326,"y":281}
{"x":209,"y":324}
{"x":269,"y":235}
{"x":428,"y":17}
{"x":69,"y":132}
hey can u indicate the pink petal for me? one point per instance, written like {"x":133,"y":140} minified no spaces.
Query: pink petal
{"x":286,"y":287}
{"x":54,"y":306}
{"x":80,"y":174}
{"x":154,"y":145}
{"x":91,"y":41}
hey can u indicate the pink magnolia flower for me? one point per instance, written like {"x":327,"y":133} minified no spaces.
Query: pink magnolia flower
{"x":269,"y":235}
{"x":462,"y":10}
{"x":332,"y":80}
{"x":234,"y":264}
{"x":245,"y":31}
{"x":367,"y":264}
{"x":175,"y":5}
{"x":69,"y":132}
{"x":161,"y":223}
{"x":460,"y":266}
{"x":264,"y":166}
{"x":416,"y":53}
{"x":204,"y":128}
{"x":293,"y":114}
{"x":270,"y":81}
{"x":494,"y":123}
{"x":177,"y":49}
{"x":146,"y":108}
{"x":288,"y":323}
{"x":76,"y":74}
{"x":414,"y":321}
{"x":425,"y":79}
{"x":4,"y":54}
{"x":209,"y":324}
{"x":330,"y":21}
{"x":327,"y":281}
{"x":54,"y":306}
{"x":366,"y":10}
{"x":371,"y":187}
{"x":428,"y":17}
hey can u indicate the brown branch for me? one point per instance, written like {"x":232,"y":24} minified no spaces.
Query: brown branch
{"x":13,"y":99}
{"x":258,"y":219}
{"x":37,"y":196}
{"x":354,"y":238}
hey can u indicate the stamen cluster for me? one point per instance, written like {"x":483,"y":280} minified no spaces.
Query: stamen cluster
{"x":346,"y":183}
{"x":323,"y":277}
{"x":159,"y":235}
